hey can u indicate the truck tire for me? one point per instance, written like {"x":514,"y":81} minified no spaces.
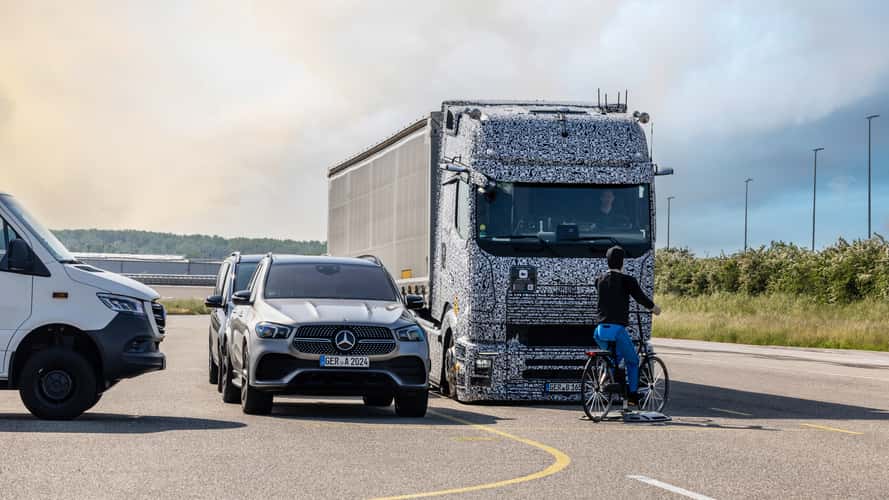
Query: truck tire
{"x":448,"y":384}
{"x":230,"y":393}
{"x":412,"y":405}
{"x":378,"y":400}
{"x":213,"y":367}
{"x":254,"y":401}
{"x":58,"y":384}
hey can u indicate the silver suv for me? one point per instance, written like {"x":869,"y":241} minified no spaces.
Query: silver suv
{"x":324,"y":326}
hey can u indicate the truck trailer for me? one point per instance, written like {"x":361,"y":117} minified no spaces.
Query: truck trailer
{"x":499,"y":214}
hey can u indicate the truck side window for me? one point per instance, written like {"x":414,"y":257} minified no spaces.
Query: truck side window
{"x":463,"y":220}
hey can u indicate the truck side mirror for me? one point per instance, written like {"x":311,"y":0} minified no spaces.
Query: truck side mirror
{"x":214,"y":302}
{"x":414,"y":302}
{"x":20,"y":257}
{"x":241,"y":298}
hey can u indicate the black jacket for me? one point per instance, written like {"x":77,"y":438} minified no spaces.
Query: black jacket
{"x":615,"y":290}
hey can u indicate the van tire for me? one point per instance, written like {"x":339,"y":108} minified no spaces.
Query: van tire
{"x":412,"y":405}
{"x":58,"y":384}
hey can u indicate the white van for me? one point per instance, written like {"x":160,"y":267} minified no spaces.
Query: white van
{"x":68,"y":331}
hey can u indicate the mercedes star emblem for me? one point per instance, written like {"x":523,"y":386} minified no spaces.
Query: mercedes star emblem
{"x":344,"y":340}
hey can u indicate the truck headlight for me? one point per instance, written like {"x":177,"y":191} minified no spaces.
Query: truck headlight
{"x":483,"y":363}
{"x":121,"y":304}
{"x":272,"y":331}
{"x":410,"y":334}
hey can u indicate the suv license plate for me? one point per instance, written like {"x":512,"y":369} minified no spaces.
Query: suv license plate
{"x":346,"y":362}
{"x":563,"y":387}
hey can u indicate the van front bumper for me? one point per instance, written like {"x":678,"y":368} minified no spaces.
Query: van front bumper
{"x":129,"y":346}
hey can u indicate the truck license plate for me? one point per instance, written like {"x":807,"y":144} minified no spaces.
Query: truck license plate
{"x":346,"y":362}
{"x":563,"y":387}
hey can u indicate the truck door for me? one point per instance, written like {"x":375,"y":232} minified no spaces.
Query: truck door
{"x":15,"y":293}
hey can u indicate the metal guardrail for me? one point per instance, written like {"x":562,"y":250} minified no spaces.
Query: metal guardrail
{"x":175,"y":279}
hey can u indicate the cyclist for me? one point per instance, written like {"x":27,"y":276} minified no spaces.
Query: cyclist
{"x":615,"y":289}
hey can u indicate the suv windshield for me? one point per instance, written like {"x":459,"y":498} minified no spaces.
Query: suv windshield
{"x":564,"y":219}
{"x":46,"y":238}
{"x":328,"y":281}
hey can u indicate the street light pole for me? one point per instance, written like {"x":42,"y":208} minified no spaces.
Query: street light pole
{"x":814,"y":193}
{"x":669,"y":199}
{"x":746,"y":204}
{"x":869,"y":118}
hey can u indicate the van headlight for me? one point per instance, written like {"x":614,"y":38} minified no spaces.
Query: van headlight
{"x":411,"y":333}
{"x":272,"y":331}
{"x":119,"y":303}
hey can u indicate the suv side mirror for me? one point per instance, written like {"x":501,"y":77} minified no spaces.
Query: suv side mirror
{"x":241,"y":298}
{"x":214,"y":302}
{"x":414,"y":302}
{"x":20,"y":257}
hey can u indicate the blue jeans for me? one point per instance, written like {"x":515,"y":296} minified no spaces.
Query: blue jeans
{"x":624,"y":350}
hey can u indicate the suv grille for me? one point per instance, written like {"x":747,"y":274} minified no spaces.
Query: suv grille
{"x":319,"y":339}
{"x":160,"y":316}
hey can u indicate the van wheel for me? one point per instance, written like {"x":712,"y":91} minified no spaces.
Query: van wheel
{"x":58,"y":384}
{"x":230,"y":393}
{"x":412,"y":404}
{"x":213,"y":367}
{"x":254,"y":401}
{"x":378,"y":400}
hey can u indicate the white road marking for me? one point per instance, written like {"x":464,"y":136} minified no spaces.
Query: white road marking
{"x":670,"y":487}
{"x":733,"y":412}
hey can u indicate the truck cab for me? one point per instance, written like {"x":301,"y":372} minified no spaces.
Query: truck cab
{"x":68,"y":331}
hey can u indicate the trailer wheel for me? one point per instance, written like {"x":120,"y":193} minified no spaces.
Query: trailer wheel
{"x":58,"y":384}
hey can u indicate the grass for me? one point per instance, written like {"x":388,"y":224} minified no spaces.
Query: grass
{"x":775,"y":320}
{"x":185,"y":306}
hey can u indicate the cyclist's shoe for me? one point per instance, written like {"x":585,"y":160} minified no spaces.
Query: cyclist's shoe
{"x":612,"y":388}
{"x":633,"y":398}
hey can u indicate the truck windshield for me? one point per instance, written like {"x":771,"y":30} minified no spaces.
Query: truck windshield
{"x":328,"y":281}
{"x":564,"y":219}
{"x":33,"y":226}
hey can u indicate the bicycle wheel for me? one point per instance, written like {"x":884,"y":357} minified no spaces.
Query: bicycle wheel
{"x":654,"y":383}
{"x":596,"y":376}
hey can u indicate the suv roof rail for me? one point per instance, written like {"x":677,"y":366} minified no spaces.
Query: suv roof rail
{"x":372,"y":258}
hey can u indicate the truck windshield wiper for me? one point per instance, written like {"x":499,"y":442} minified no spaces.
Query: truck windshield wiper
{"x":543,"y":243}
{"x":597,"y":238}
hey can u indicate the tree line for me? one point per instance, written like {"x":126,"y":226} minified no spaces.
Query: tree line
{"x":842,"y":273}
{"x":194,"y":246}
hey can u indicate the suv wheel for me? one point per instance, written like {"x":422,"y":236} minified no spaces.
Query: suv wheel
{"x":254,"y":401}
{"x":378,"y":400}
{"x":229,"y":391}
{"x":213,"y":367}
{"x":58,"y":384}
{"x":412,"y":404}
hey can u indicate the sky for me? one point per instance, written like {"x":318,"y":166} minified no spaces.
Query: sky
{"x":222,"y":117}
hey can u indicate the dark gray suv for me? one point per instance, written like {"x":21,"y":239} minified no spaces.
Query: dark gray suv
{"x":324,"y":326}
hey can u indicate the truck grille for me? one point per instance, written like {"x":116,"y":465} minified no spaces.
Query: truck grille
{"x":554,"y":304}
{"x":371,"y":340}
{"x":160,"y":316}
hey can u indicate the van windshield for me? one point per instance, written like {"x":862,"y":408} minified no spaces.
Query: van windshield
{"x":565,"y":219}
{"x":33,"y":226}
{"x":328,"y":281}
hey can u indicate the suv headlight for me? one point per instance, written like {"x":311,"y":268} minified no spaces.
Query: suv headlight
{"x":121,"y":304}
{"x":272,"y":331}
{"x":411,"y":333}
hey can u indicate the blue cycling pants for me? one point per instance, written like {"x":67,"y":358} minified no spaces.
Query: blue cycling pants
{"x":624,"y":350}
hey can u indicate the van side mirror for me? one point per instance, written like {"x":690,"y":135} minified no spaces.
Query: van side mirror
{"x":214,"y":302}
{"x":241,"y":298}
{"x":19,"y":256}
{"x":414,"y":302}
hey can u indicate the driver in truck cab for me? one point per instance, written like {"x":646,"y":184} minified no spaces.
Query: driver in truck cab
{"x":615,"y":289}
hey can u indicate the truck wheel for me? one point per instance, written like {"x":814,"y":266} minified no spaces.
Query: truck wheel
{"x":448,"y":384}
{"x":412,"y":404}
{"x":229,"y":392}
{"x":254,"y":401}
{"x":58,"y":384}
{"x":213,"y":367}
{"x":378,"y":400}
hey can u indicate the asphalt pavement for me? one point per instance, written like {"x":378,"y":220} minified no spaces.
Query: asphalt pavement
{"x":748,"y":422}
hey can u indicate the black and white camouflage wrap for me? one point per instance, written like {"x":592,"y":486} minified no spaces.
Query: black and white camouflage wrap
{"x":471,"y":289}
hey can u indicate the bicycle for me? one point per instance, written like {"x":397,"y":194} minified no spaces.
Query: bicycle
{"x":601,"y":373}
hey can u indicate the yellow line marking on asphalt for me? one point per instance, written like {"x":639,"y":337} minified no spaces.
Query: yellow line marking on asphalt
{"x":561,"y":460}
{"x":733,"y":412}
{"x":834,"y":429}
{"x":473,"y":438}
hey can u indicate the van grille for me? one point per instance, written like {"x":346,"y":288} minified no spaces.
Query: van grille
{"x":160,"y":316}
